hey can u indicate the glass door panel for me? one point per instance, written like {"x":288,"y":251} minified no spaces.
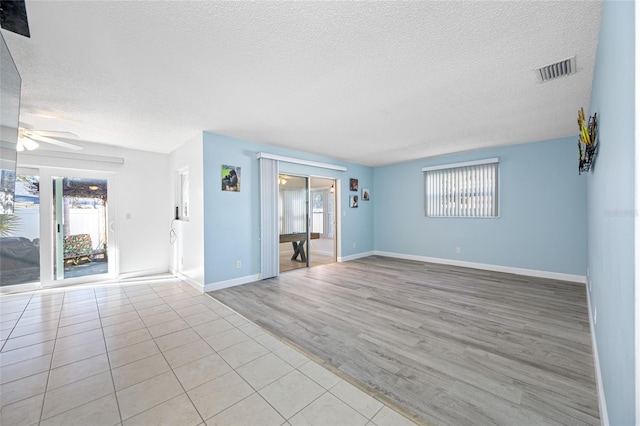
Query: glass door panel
{"x":20,"y":234}
{"x":294,"y":222}
{"x":81,"y":234}
{"x":322,"y":245}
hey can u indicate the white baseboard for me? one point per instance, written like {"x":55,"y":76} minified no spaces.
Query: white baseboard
{"x":602,"y":402}
{"x":193,"y":283}
{"x":356,"y":256}
{"x":489,"y":267}
{"x":19,"y":288}
{"x":153,"y":274}
{"x":142,"y":273}
{"x":232,"y":283}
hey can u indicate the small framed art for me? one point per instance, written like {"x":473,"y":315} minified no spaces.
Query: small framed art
{"x":230,"y":178}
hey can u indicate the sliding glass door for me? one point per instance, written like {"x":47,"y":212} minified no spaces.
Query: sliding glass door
{"x":294,"y":221}
{"x":322,"y":244}
{"x":20,"y":233}
{"x":81,"y":226}
{"x":62,"y":231}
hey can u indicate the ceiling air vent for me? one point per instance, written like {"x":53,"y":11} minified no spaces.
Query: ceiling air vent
{"x":559,"y":69}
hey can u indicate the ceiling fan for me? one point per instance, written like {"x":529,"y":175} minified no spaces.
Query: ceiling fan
{"x":13,"y":17}
{"x":30,"y":139}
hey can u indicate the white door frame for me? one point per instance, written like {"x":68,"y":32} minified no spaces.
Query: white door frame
{"x":47,"y":231}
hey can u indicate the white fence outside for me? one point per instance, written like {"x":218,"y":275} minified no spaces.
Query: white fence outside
{"x":82,"y":221}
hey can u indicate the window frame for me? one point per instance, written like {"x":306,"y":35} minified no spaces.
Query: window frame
{"x":467,"y":164}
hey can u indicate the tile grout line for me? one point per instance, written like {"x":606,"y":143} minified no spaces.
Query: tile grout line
{"x":16,"y":324}
{"x":106,"y":349}
{"x":53,"y":351}
{"x":171,"y":367}
{"x":75,"y":381}
{"x":164,"y":357}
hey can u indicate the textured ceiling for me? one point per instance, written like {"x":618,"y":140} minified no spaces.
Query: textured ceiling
{"x":370,"y":82}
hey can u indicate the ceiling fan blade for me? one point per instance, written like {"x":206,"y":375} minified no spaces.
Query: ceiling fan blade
{"x":56,"y":134}
{"x":13,"y":17}
{"x":51,"y":141}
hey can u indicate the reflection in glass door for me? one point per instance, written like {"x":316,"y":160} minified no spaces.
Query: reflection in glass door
{"x":80,"y":227}
{"x":322,"y":245}
{"x":294,"y":222}
{"x":20,"y":233}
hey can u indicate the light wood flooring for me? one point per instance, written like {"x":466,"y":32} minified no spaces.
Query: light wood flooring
{"x":315,"y":258}
{"x":451,"y":345}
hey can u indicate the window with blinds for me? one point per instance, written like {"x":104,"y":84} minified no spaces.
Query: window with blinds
{"x":462,"y":190}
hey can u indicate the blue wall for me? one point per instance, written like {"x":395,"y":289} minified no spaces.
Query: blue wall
{"x":232,"y":219}
{"x":542,"y":223}
{"x":611,"y":210}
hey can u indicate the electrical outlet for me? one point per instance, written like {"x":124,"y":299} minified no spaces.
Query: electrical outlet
{"x":595,"y":316}
{"x":457,"y":250}
{"x":354,"y":245}
{"x":238,"y":264}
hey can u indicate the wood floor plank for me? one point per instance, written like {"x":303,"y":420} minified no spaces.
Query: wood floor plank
{"x":451,"y":345}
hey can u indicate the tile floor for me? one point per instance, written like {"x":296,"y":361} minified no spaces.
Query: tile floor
{"x":159,"y":352}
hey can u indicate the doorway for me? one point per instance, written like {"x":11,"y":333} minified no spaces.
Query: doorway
{"x":293,"y":211}
{"x":307,"y":224}
{"x":62,"y":231}
{"x":80,"y":217}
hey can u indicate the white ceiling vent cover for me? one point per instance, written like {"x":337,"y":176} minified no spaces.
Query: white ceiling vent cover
{"x":559,"y":69}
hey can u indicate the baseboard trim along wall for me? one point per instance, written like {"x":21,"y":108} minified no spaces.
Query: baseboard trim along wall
{"x":138,"y":274}
{"x":356,"y":256}
{"x":489,"y":267}
{"x":232,"y":283}
{"x":602,"y":402}
{"x":186,"y":279}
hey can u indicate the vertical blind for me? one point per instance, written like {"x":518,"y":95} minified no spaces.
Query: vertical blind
{"x":293,"y":211}
{"x":269,"y":237}
{"x":467,"y":191}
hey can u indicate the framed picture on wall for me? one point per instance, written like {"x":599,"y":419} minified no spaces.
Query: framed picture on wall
{"x":230,"y":178}
{"x":353,"y":201}
{"x":353,"y":184}
{"x":366,"y":196}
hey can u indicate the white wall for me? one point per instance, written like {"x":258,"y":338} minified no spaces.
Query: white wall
{"x":143,"y":200}
{"x":187,"y":252}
